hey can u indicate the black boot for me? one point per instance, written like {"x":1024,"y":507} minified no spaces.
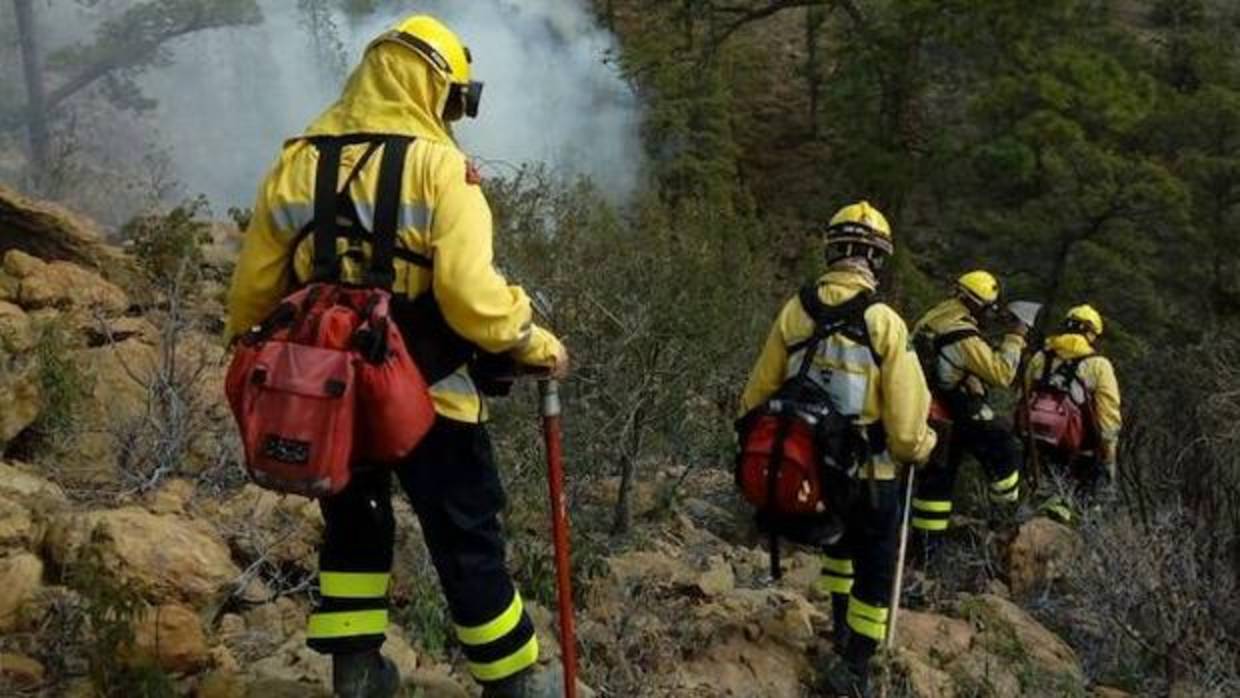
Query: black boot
{"x":364,"y":675}
{"x":843,"y":679}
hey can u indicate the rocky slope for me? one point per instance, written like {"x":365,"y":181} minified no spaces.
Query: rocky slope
{"x":134,"y":557}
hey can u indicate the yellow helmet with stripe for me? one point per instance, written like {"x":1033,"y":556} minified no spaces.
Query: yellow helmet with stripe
{"x":1084,"y":318}
{"x":980,"y":287}
{"x":446,"y":54}
{"x":859,"y":230}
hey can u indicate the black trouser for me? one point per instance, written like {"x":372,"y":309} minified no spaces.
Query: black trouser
{"x":988,"y":441}
{"x":859,"y":569}
{"x":452,"y":482}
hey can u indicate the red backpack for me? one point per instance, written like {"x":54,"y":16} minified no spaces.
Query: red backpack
{"x":1049,"y":414}
{"x":325,"y":384}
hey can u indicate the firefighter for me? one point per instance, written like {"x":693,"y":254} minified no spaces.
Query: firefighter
{"x":962,"y":368}
{"x":882,"y":386}
{"x":1072,"y":361}
{"x":452,"y":304}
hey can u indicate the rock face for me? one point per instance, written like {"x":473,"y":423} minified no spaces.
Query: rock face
{"x":16,"y":329}
{"x":171,"y":638}
{"x":58,"y":284}
{"x":21,"y":579}
{"x":1039,"y":555}
{"x":167,"y":558}
{"x":19,"y":672}
{"x":21,"y":396}
{"x":49,"y":231}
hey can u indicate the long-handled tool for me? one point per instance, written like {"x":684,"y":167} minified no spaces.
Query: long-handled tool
{"x":549,"y":394}
{"x":897,"y":585}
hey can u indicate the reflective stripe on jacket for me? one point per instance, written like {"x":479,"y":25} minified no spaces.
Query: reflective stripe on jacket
{"x":894,"y":393}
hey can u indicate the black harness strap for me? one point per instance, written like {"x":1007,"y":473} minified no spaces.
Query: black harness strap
{"x":326,"y":206}
{"x":382,"y":272}
{"x":331,"y":205}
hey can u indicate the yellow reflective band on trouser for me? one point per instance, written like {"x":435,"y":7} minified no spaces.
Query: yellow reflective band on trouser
{"x":503,"y":624}
{"x":831,"y":584}
{"x":354,"y":585}
{"x":935,"y":507}
{"x":337,"y":624}
{"x":930,"y":524}
{"x":523,"y":658}
{"x":835,"y":565}
{"x":869,"y":621}
{"x":1007,"y":489}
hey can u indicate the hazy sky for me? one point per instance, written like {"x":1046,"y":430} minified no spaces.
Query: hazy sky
{"x":232,"y":96}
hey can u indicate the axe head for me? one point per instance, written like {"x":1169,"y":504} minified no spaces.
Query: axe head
{"x":1025,"y":311}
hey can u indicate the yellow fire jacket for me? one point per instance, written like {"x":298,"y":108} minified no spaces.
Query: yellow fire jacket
{"x":1097,"y":377}
{"x":970,"y":363}
{"x":443,"y":216}
{"x":894,"y":392}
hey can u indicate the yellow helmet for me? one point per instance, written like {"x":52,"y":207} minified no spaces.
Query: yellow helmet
{"x":1084,"y":317}
{"x":444,"y":51}
{"x":859,"y":230}
{"x":981,"y":287}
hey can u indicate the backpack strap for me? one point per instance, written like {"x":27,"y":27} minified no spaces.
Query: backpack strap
{"x":332,"y":204}
{"x":326,"y":204}
{"x":382,"y":272}
{"x":847,"y":319}
{"x":947,"y":339}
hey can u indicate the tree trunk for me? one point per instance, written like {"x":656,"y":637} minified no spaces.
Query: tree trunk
{"x":36,"y":103}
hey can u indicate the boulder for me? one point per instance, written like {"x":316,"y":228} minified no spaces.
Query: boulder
{"x":167,"y":558}
{"x":718,"y":579}
{"x":221,"y":684}
{"x":1108,"y":692}
{"x":437,"y":682}
{"x":60,"y":284}
{"x":933,"y":637}
{"x":983,"y":673}
{"x":22,"y":398}
{"x":18,"y":526}
{"x":20,"y":672}
{"x":1007,"y":627}
{"x":258,"y":522}
{"x":50,"y":231}
{"x":21,"y":579}
{"x":924,"y":680}
{"x":18,"y":482}
{"x":1040,"y":554}
{"x":116,"y":404}
{"x":16,"y":329}
{"x":169,"y":637}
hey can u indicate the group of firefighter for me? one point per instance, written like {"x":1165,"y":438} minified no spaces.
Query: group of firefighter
{"x":944,"y":371}
{"x":411,"y":84}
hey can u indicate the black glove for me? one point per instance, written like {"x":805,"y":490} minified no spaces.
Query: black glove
{"x":494,"y":374}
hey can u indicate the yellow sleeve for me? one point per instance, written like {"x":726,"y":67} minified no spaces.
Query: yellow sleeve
{"x":996,"y":368}
{"x":1107,"y":405}
{"x":262,"y":275}
{"x":477,"y":302}
{"x":769,"y":372}
{"x":905,"y":396}
{"x":1033,"y":371}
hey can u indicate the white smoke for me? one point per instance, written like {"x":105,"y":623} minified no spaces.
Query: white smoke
{"x":232,"y":96}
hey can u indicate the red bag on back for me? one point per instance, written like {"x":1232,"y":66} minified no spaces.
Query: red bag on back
{"x":798,"y":488}
{"x":324,"y":385}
